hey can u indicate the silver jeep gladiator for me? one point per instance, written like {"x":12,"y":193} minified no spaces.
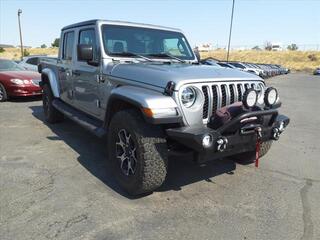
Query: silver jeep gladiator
{"x":142,"y":88}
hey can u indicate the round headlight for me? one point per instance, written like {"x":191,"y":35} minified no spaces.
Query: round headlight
{"x":270,"y":96}
{"x":250,"y":98}
{"x":188,"y":96}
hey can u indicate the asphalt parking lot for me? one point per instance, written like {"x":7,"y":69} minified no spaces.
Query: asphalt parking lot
{"x":55,"y":183}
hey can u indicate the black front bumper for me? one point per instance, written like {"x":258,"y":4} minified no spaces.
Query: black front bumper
{"x":239,"y":133}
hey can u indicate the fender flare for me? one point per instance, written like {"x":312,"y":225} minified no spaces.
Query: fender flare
{"x":52,"y":80}
{"x":140,"y":98}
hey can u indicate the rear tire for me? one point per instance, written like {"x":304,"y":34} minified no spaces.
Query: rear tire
{"x":3,"y":94}
{"x":52,"y":115}
{"x":250,"y":157}
{"x":137,"y":151}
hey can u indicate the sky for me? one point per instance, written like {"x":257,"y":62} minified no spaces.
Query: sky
{"x":203,"y":21}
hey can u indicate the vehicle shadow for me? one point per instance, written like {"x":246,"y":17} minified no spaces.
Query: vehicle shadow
{"x":93,"y":156}
{"x":25,"y":99}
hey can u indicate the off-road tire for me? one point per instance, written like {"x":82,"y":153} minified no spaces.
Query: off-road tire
{"x":4,"y":95}
{"x":51,"y":114}
{"x":249,"y":157}
{"x":151,"y":154}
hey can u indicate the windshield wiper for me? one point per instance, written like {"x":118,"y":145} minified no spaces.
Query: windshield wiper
{"x":165,"y":55}
{"x":131,"y":54}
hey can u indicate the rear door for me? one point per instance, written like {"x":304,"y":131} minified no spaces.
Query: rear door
{"x":85,"y":77}
{"x":66,"y":66}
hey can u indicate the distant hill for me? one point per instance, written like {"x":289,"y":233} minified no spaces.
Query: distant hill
{"x":6,"y":46}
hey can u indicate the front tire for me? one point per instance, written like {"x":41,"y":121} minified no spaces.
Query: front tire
{"x":137,"y":151}
{"x":250,"y":157}
{"x":3,"y":94}
{"x":52,"y":115}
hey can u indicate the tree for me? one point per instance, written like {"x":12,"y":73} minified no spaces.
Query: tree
{"x":292,"y":47}
{"x":55,"y":42}
{"x":25,"y":53}
{"x":43,"y":46}
{"x":2,"y":50}
{"x":257,"y":48}
{"x":268,"y":46}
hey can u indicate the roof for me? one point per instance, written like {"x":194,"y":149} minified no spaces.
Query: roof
{"x":123,"y":23}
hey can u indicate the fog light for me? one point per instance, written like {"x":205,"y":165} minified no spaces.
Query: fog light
{"x":271,"y":96}
{"x":250,"y":98}
{"x":207,"y":141}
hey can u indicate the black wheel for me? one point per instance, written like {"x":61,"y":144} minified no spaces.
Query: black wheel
{"x":249,"y":157}
{"x":137,"y":151}
{"x":3,"y":94}
{"x":52,"y":115}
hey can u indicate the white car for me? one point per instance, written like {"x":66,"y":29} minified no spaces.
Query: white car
{"x":31,"y":62}
{"x":246,"y":68}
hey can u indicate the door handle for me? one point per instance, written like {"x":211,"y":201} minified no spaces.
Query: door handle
{"x":76,"y":72}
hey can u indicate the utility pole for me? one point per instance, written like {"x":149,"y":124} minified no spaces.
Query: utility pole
{"x":230,"y":30}
{"x":21,"y":44}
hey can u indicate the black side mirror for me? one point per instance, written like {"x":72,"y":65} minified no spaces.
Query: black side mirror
{"x":85,"y":52}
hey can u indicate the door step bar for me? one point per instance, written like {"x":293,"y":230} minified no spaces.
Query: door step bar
{"x":92,"y":125}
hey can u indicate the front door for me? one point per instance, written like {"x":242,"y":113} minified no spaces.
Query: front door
{"x":85,"y":77}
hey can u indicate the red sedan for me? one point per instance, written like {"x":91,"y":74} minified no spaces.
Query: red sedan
{"x":15,"y":81}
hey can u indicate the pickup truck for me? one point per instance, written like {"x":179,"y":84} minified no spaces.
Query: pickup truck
{"x":142,"y":89}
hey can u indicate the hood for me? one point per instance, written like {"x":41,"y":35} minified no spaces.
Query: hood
{"x":24,"y":75}
{"x":160,"y":74}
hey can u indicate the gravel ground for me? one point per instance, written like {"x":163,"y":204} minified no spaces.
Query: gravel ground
{"x":55,"y":183}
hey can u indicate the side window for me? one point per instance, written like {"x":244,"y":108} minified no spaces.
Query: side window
{"x":33,"y":61}
{"x":88,"y":37}
{"x":68,"y":42}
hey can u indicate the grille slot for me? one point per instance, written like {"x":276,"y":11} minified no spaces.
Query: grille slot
{"x":246,"y":86}
{"x":206,"y":102}
{"x":214,"y":98}
{"x":223,"y":96}
{"x":232,"y":93}
{"x":239,"y":92}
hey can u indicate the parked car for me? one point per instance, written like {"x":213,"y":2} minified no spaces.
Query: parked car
{"x":15,"y":81}
{"x":140,"y":86}
{"x":210,"y":61}
{"x":244,"y":67}
{"x":317,"y":71}
{"x":226,"y":65}
{"x":31,"y":62}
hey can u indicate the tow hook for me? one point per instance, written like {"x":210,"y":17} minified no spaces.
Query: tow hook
{"x":222,"y":144}
{"x":277,"y":131}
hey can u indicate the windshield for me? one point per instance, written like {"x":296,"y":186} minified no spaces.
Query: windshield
{"x":145,"y":42}
{"x":8,"y":65}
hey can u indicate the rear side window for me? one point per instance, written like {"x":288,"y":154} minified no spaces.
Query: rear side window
{"x":68,"y":42}
{"x":88,"y":36}
{"x":33,"y":61}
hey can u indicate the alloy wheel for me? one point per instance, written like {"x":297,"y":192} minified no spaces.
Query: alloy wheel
{"x":126,"y":152}
{"x":1,"y":93}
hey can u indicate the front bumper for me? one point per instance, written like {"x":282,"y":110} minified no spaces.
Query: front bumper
{"x":237,"y":136}
{"x":24,"y":90}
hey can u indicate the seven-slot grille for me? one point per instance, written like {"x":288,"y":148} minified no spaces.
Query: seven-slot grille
{"x":220,"y":95}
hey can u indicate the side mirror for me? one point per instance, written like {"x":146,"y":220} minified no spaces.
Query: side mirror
{"x":85,"y":52}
